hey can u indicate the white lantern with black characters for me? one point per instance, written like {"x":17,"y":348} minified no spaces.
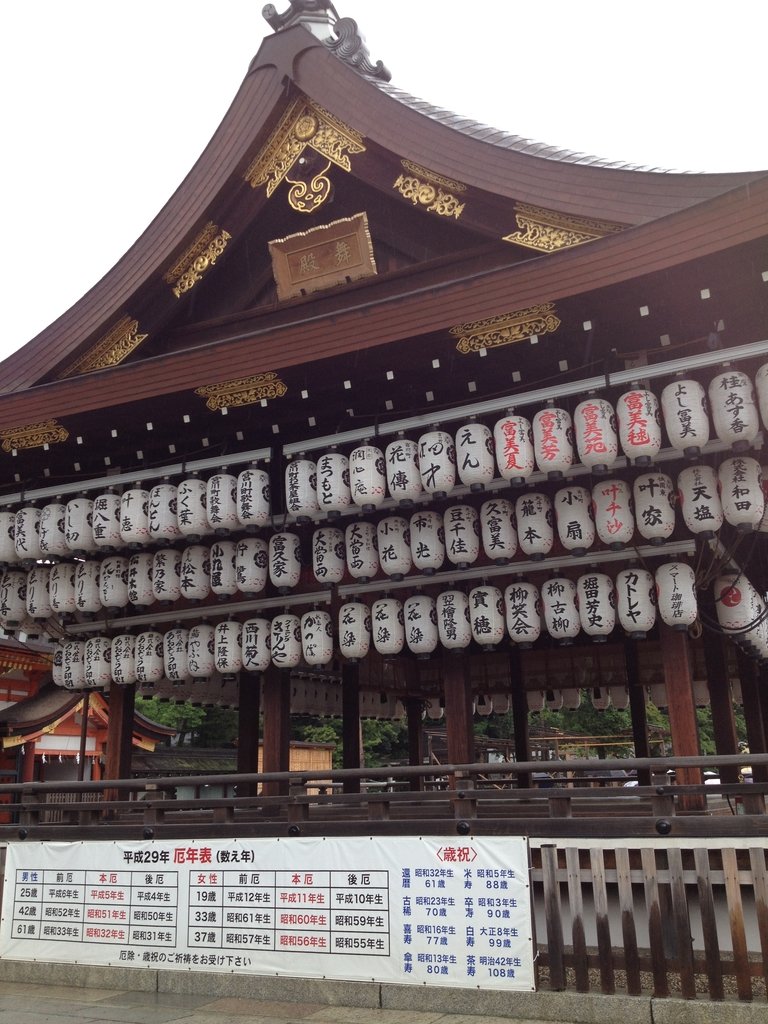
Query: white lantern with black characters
{"x":596,"y":601}
{"x":38,"y":592}
{"x":134,"y":516}
{"x":741,"y":492}
{"x":561,"y":617}
{"x":166,"y":575}
{"x":333,"y":490}
{"x":354,"y":630}
{"x":684,"y":408}
{"x":639,"y":421}
{"x":316,"y":637}
{"x":175,"y":655}
{"x":191,"y":508}
{"x":87,"y":578}
{"x":328,"y":555}
{"x":522,"y":611}
{"x":61,"y":588}
{"x":401,"y":459}
{"x":367,"y":477}
{"x":612,"y":507}
{"x":27,"y":534}
{"x":676,"y":594}
{"x":78,"y":526}
{"x":123,"y":659}
{"x":699,"y":498}
{"x":256,"y":653}
{"x":573,"y":515}
{"x":388,"y":626}
{"x":421,"y":634}
{"x":636,"y":602}
{"x":201,"y":644}
{"x":140,"y":590}
{"x":221,"y":503}
{"x":251,"y":565}
{"x":497,"y":530}
{"x":8,"y":554}
{"x":253,"y":498}
{"x":285,"y":641}
{"x":227,"y":647}
{"x":654,"y":499}
{"x":73,"y":665}
{"x":149,"y":657}
{"x":734,"y":409}
{"x":461,"y":525}
{"x":513,"y":444}
{"x":113,"y":582}
{"x":360,"y":542}
{"x":195,"y":572}
{"x":535,"y":524}
{"x":427,"y":541}
{"x":162,"y":513}
{"x":475,"y":462}
{"x":597,"y":443}
{"x":453,"y":625}
{"x":393,"y":537}
{"x":223,"y":569}
{"x":53,"y":532}
{"x":106,"y":521}
{"x":284,"y":561}
{"x":486,"y":616}
{"x":437,"y":463}
{"x":553,"y":441}
{"x":301,"y":489}
{"x":98,"y":663}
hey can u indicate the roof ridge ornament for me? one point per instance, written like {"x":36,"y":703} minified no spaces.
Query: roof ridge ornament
{"x":340,"y":35}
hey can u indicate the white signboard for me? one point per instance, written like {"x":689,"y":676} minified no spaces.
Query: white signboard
{"x":446,"y":911}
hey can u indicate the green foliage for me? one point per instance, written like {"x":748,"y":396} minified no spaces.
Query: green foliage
{"x":218,"y":728}
{"x":183,"y":717}
{"x":384,"y":742}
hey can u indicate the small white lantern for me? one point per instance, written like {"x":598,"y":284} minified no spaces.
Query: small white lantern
{"x":316,"y":637}
{"x":612,"y":507}
{"x":201,"y":651}
{"x":636,"y":602}
{"x":486,"y":616}
{"x":195,"y":572}
{"x":191,"y":508}
{"x":421,"y":634}
{"x":134,"y":517}
{"x":360,"y":542}
{"x":497,"y":530}
{"x":227,"y":647}
{"x":113,"y":582}
{"x":553,"y":700}
{"x":393,"y":538}
{"x":354,"y":630}
{"x":741,"y":492}
{"x":596,"y":602}
{"x":73,"y":665}
{"x":461,"y":525}
{"x":87,"y":577}
{"x":140,"y":590}
{"x":333,"y":493}
{"x":53,"y":532}
{"x":223,"y":570}
{"x":255,"y":649}
{"x":285,"y":641}
{"x":175,"y":658}
{"x":38,"y":592}
{"x":123,"y":659}
{"x":402,"y":467}
{"x":761,"y":387}
{"x":221,"y":503}
{"x":253,"y":498}
{"x":57,"y":666}
{"x":684,"y":408}
{"x":734,"y":409}
{"x":149,"y":657}
{"x":427,"y":541}
{"x":654,"y":495}
{"x":328,"y":555}
{"x":301,"y":489}
{"x":251,"y":565}
{"x":284,"y":561}
{"x":676,"y":594}
{"x":453,"y":625}
{"x":553,"y":441}
{"x":522,"y":610}
{"x":106,"y":521}
{"x":367,"y":477}
{"x":699,"y":498}
{"x":475,"y":462}
{"x":561,"y":617}
{"x":166,"y":575}
{"x":27,"y":534}
{"x":8,"y":554}
{"x":388,"y":626}
{"x":78,"y":526}
{"x":573,"y":515}
{"x":732,"y":593}
{"x":535,"y":522}
{"x":594,"y":424}
{"x":98,"y":663}
{"x":61,"y":588}
{"x":639,"y":421}
{"x":437,"y":463}
{"x":513,"y":442}
{"x":162,"y":513}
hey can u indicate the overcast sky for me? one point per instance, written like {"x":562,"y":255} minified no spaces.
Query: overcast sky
{"x":107,"y":105}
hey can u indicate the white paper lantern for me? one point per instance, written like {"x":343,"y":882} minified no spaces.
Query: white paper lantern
{"x":328,"y":555}
{"x":195,"y":572}
{"x":639,"y":421}
{"x":201,"y":651}
{"x":113,"y":582}
{"x":106,"y":521}
{"x":435,"y":709}
{"x":175,"y":658}
{"x":57,"y":666}
{"x":420,"y":614}
{"x":486,"y":616}
{"x":87,"y":578}
{"x":354,"y":630}
{"x":284,"y":561}
{"x":38,"y":592}
{"x":734,"y":409}
{"x":367,"y":477}
{"x":78,"y":526}
{"x":123,"y":659}
{"x":522,"y":611}
{"x":761,"y":389}
{"x":553,"y":441}
{"x":393,"y":538}
{"x":612,"y":508}
{"x":27,"y":534}
{"x":597,"y":443}
{"x":453,"y":625}
{"x":388,"y":626}
{"x":227,"y":646}
{"x":53,"y":532}
{"x":732,"y":593}
{"x":636,"y":602}
{"x":134,"y":517}
{"x":8,"y":554}
{"x":73,"y":664}
{"x":699,"y":498}
{"x":253,"y":498}
{"x":553,"y":700}
{"x":166,"y":575}
{"x":61,"y":588}
{"x":333,"y":493}
{"x":149,"y":657}
{"x":461,"y":525}
{"x":191,"y":508}
{"x":162,"y":513}
{"x":251,"y":565}
{"x":437,"y":463}
{"x":573,"y":515}
{"x":221,"y":503}
{"x":223,"y":570}
{"x":316,"y":637}
{"x":484,"y":705}
{"x":301,"y":489}
{"x":360,"y":542}
{"x":427,"y":541}
{"x":402,"y":467}
{"x":497,"y":530}
{"x":535,"y":524}
{"x":255,"y":649}
{"x":654,"y":498}
{"x":561,"y":617}
{"x":741,"y":493}
{"x":513,"y":443}
{"x":684,"y":408}
{"x":98,"y":663}
{"x":475,"y":462}
{"x":600,"y":697}
{"x":596,"y":602}
{"x":285,"y":641}
{"x":676,"y":594}
{"x":140,"y":590}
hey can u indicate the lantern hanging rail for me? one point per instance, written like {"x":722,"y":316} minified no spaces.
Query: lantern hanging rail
{"x":498,"y":406}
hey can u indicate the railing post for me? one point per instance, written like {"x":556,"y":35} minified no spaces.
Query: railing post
{"x":553,"y":916}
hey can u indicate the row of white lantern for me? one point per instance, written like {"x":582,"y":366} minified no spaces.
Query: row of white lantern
{"x":742,"y":613}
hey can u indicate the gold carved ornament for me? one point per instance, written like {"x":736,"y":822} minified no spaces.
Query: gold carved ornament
{"x":202,"y":254}
{"x":229,"y":394}
{"x":33,"y":435}
{"x":423,"y":188}
{"x":304,"y":124}
{"x":550,"y":231}
{"x":110,"y":350}
{"x":506,"y":328}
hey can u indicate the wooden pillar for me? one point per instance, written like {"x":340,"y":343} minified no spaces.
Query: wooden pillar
{"x":248,"y":704}
{"x":83,"y":735}
{"x":120,"y":732}
{"x":721,"y":704}
{"x":413,"y":711}
{"x":351,"y":737}
{"x":519,"y":715}
{"x":681,"y":709}
{"x":637,"y":709}
{"x":457,"y":691}
{"x":276,"y":747}
{"x":28,"y":762}
{"x":753,"y":711}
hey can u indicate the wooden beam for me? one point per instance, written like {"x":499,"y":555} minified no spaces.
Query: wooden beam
{"x":119,"y":750}
{"x":458,"y":709}
{"x":637,"y":709}
{"x":681,"y":709}
{"x":276,"y":700}
{"x":723,"y":719}
{"x":413,"y":710}
{"x":519,"y":714}
{"x":249,"y":701}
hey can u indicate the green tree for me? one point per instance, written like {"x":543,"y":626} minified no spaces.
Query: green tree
{"x":184,"y":717}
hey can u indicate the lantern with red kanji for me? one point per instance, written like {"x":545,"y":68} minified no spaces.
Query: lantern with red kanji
{"x":684,"y":408}
{"x":594,"y":424}
{"x":639,"y":422}
{"x":513,"y":443}
{"x":612,"y":507}
{"x":553,"y":441}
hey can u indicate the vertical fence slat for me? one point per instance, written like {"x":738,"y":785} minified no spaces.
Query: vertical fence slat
{"x":580,"y":965}
{"x":708,"y":924}
{"x":736,"y":918}
{"x":682,"y":922}
{"x":655,"y":930}
{"x":628,"y":931}
{"x":760,"y":885}
{"x":602,"y":922}
{"x":553,"y":917}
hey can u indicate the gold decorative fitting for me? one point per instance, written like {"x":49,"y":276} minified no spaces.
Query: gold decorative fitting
{"x":110,"y":350}
{"x":549,"y":231}
{"x":202,"y":254}
{"x":228,"y":394}
{"x":438,"y":179}
{"x":425,"y":193}
{"x":303,"y":125}
{"x":506,"y":328}
{"x":33,"y":435}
